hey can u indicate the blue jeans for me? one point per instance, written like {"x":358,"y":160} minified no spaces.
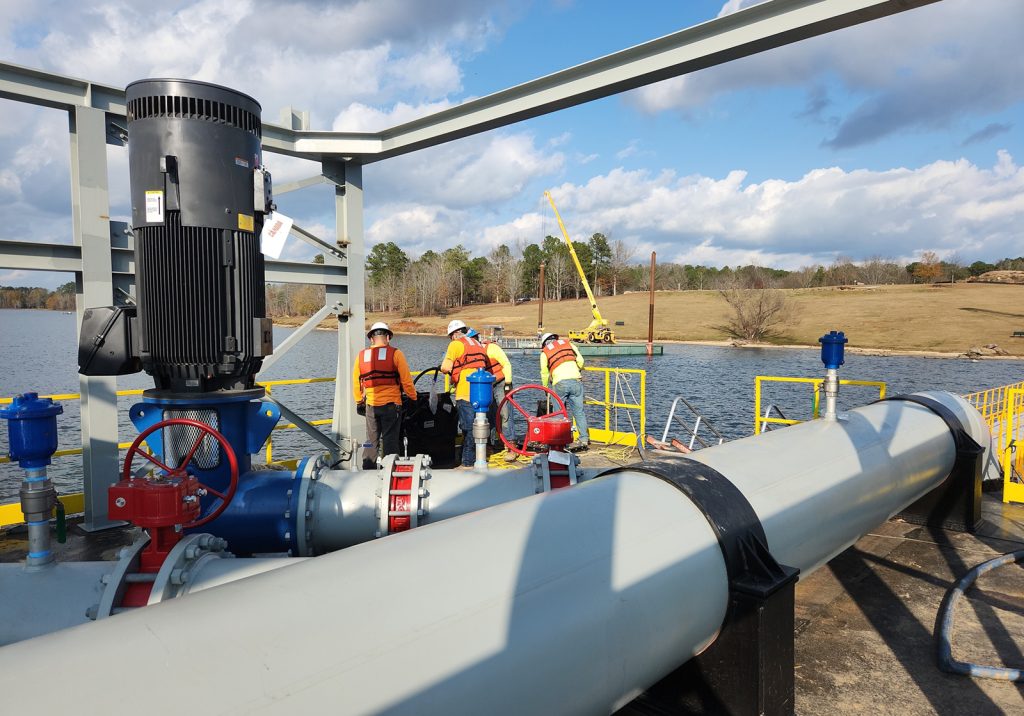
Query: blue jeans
{"x":570,"y":391}
{"x":466,"y":423}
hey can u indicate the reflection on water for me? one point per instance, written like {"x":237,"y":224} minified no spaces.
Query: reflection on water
{"x":38,"y":351}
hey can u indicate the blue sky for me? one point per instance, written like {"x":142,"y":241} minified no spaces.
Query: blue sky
{"x":886,"y":139}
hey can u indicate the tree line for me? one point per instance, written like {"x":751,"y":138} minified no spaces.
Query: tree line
{"x":62,"y":299}
{"x":434,"y":283}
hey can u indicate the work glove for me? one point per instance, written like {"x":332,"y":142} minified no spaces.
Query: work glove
{"x":508,"y":388}
{"x":408,"y":404}
{"x":361,"y":408}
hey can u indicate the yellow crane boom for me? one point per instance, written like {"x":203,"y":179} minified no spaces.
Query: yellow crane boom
{"x":598,"y":331}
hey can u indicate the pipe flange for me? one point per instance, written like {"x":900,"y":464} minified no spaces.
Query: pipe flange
{"x":128,"y":563}
{"x":307,"y":475}
{"x":401,"y":497}
{"x":182,"y":562}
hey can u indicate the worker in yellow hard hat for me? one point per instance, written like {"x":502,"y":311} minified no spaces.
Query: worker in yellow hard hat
{"x":464,"y":356}
{"x":560,"y":361}
{"x":382,"y":384}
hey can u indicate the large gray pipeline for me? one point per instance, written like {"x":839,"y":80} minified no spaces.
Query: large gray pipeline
{"x":566,"y":602}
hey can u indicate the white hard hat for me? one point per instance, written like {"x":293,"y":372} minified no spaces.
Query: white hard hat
{"x":547,"y":337}
{"x":455,"y":325}
{"x":379,"y":326}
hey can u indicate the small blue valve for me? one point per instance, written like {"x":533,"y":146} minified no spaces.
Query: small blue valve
{"x":832,"y":347}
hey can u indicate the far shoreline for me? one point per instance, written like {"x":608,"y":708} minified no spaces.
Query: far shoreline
{"x":732,"y":343}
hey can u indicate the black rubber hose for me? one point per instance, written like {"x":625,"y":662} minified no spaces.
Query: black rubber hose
{"x":945,"y":620}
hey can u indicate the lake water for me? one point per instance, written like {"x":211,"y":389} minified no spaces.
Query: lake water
{"x":38,"y":351}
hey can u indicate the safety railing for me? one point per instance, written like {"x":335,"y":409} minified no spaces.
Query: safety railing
{"x":760,"y":421}
{"x":699,"y":422}
{"x":1003,"y":410}
{"x":625,"y":398}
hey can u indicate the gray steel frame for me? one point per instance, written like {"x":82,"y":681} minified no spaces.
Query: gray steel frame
{"x":101,"y":255}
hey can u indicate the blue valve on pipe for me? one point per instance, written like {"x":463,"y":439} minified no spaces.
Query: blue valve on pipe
{"x":481,"y":390}
{"x":32,"y":429}
{"x":832,"y":347}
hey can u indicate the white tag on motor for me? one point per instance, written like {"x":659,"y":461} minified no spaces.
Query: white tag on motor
{"x":154,"y":207}
{"x":276,"y":228}
{"x":556,"y":456}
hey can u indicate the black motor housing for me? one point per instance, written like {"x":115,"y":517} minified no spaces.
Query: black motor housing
{"x":199,"y":196}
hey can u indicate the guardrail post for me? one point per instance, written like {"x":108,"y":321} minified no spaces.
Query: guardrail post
{"x":90,"y":209}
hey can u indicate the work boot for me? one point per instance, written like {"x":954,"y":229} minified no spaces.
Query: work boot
{"x":510,"y":456}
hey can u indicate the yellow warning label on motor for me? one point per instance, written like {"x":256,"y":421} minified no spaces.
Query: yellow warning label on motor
{"x":245,"y":222}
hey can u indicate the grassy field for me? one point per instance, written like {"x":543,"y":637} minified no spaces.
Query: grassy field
{"x":940,"y":318}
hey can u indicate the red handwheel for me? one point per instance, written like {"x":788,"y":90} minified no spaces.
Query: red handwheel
{"x":530,"y":419}
{"x":181,"y":470}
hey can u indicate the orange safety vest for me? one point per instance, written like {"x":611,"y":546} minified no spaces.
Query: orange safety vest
{"x":474,"y":356}
{"x":377,"y":367}
{"x":496,"y":370}
{"x":558,"y":352}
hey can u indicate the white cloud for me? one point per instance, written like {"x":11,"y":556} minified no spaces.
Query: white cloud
{"x":920,"y":69}
{"x":946,"y":206}
{"x":478,"y":170}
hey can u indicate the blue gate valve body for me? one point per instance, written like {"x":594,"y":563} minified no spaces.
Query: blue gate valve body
{"x":481,"y":390}
{"x":32,"y":429}
{"x":832,"y":347}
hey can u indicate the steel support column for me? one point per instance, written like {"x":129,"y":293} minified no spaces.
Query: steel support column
{"x":348,"y":203}
{"x":90,"y":209}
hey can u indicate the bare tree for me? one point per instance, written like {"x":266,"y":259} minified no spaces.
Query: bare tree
{"x":757,"y":313}
{"x":558,"y":275}
{"x":621,"y":255}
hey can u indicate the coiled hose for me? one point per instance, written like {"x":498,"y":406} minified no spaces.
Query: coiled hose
{"x":945,"y":618}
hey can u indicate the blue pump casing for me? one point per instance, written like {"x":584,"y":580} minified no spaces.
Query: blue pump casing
{"x":481,"y":392}
{"x":832,"y":347}
{"x":32,"y":429}
{"x":244,"y":422}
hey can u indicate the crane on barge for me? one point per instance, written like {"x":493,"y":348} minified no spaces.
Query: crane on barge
{"x":598,"y":331}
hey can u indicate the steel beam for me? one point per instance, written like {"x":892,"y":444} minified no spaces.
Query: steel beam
{"x":348,"y":203}
{"x":35,"y":256}
{"x":756,"y":29}
{"x":297,"y":272}
{"x":90,"y":203}
{"x":297,"y":335}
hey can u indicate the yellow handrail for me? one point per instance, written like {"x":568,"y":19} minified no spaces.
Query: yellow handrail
{"x":760,"y":421}
{"x":615,"y":400}
{"x":1003,"y":411}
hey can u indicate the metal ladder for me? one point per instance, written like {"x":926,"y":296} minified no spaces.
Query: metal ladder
{"x":765,"y":427}
{"x":671,"y":444}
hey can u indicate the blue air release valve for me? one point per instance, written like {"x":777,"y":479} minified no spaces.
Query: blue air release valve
{"x":481,"y":393}
{"x":481,"y":390}
{"x":32,"y":429}
{"x":832,"y":349}
{"x":32,"y":433}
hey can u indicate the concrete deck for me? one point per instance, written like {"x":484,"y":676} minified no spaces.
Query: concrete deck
{"x":865,"y":623}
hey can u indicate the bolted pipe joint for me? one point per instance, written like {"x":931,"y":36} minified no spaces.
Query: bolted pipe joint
{"x":481,"y":434}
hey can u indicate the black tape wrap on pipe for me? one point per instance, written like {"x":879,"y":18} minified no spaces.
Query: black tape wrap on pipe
{"x":749,"y":564}
{"x":967,"y":448}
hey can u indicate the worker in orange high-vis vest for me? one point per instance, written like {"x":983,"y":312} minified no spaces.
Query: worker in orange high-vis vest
{"x":382,"y":384}
{"x":464,"y":356}
{"x":560,"y":361}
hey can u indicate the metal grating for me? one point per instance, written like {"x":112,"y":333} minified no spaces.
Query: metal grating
{"x":179,"y":438}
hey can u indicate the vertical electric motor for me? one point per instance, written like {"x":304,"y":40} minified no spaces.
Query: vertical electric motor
{"x":199,"y":195}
